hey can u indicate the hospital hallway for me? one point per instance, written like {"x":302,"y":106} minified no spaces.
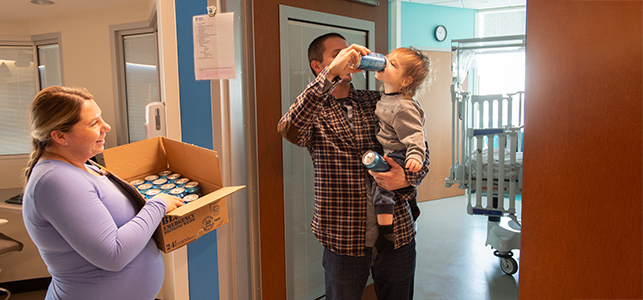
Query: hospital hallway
{"x":453,"y":262}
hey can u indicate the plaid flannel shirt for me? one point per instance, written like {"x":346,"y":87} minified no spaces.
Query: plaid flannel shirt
{"x":316,"y":121}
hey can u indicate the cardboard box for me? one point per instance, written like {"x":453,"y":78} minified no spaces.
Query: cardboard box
{"x":188,"y":222}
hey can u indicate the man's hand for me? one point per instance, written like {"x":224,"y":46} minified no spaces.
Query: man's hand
{"x":392,"y":180}
{"x":339,"y":66}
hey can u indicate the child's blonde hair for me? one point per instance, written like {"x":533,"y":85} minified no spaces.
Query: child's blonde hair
{"x":416,"y":66}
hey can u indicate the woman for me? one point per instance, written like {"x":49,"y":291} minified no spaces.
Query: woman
{"x":95,"y":243}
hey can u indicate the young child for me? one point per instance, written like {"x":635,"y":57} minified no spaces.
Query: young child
{"x":401,"y":122}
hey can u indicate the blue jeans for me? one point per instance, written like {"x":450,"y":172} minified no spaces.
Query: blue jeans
{"x":393,"y":273}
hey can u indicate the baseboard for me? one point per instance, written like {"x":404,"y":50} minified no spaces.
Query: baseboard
{"x":29,"y":285}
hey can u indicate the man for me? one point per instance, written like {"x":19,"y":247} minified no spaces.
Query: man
{"x":337,"y":124}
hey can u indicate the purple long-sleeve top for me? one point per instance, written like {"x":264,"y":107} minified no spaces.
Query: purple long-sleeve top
{"x":89,"y":235}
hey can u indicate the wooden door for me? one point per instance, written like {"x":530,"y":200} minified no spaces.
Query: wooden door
{"x":269,"y":142}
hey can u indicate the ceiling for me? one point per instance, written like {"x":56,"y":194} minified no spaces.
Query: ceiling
{"x":24,"y":10}
{"x":473,"y":4}
{"x":14,"y":10}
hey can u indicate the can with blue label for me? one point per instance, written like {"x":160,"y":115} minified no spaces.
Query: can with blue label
{"x":181,"y":181}
{"x":159,"y":182}
{"x":150,"y":178}
{"x":164,"y":174}
{"x":173,"y":177}
{"x":166,"y":188}
{"x":151,"y":193}
{"x":142,"y":188}
{"x":370,"y":62}
{"x":136,"y":182}
{"x":375,"y":162}
{"x":189,"y":198}
{"x":178,"y":192}
{"x":192,"y":187}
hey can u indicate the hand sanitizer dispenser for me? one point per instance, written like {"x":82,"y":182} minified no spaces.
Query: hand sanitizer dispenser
{"x":154,"y":119}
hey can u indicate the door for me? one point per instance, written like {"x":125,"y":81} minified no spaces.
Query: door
{"x":270,"y":159}
{"x":298,"y":27}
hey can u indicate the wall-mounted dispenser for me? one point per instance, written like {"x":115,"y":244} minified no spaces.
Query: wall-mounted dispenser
{"x":155,"y":119}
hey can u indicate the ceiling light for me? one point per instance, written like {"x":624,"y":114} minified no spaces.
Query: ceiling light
{"x":43,"y":2}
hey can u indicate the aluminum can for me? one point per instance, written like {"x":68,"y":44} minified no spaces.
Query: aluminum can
{"x":150,"y":178}
{"x":173,"y":177}
{"x":136,"y":182}
{"x":149,"y":194}
{"x":159,"y":182}
{"x":164,"y":174}
{"x":166,"y":188}
{"x":192,"y":187}
{"x":374,"y":162}
{"x":189,"y":198}
{"x":142,"y":188}
{"x":178,"y":192}
{"x":371,"y":62}
{"x":181,"y":181}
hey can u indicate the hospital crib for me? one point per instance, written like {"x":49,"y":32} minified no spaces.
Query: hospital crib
{"x":487,"y":162}
{"x":486,"y":144}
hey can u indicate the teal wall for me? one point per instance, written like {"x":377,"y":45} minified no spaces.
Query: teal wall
{"x":418,"y":22}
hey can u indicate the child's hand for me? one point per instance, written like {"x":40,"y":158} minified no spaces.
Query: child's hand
{"x":413,"y":165}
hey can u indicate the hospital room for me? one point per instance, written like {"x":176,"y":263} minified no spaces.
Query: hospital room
{"x":559,"y":79}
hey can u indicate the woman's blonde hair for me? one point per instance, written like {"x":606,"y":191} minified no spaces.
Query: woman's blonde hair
{"x":416,"y":67}
{"x":54,"y":108}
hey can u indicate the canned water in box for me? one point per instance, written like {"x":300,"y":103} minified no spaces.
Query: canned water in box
{"x":136,"y":182}
{"x":151,"y":178}
{"x":151,"y":193}
{"x":178,"y":192}
{"x":166,"y":188}
{"x":164,"y":174}
{"x":181,"y":181}
{"x":192,"y":187}
{"x":173,"y":177}
{"x":189,"y":198}
{"x":159,"y":182}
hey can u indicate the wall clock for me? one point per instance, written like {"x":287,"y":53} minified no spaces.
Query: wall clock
{"x":440,"y":33}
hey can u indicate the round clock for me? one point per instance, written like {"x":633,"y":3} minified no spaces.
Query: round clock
{"x":440,"y":33}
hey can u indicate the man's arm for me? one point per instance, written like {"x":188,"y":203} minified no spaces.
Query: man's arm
{"x":296,"y":125}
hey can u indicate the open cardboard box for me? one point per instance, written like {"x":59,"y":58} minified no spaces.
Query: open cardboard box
{"x":151,"y":156}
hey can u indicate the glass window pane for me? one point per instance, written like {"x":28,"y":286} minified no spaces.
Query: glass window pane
{"x":17,"y":90}
{"x":49,"y":65}
{"x":141,"y":83}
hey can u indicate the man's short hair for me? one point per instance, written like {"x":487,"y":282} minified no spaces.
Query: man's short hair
{"x":316,"y":48}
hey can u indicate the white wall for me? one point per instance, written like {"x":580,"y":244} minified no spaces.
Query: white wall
{"x":86,"y":60}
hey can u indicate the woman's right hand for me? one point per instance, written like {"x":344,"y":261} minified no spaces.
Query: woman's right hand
{"x":171,"y":201}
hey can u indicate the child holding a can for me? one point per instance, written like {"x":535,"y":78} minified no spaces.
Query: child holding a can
{"x":401,"y":133}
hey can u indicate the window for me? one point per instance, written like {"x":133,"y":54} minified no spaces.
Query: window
{"x":135,"y":50}
{"x":17,"y":90}
{"x":141,"y":80}
{"x":22,"y":74}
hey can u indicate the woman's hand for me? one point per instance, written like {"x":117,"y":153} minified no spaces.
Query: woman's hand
{"x":392,"y":180}
{"x":339,"y":66}
{"x":171,"y":201}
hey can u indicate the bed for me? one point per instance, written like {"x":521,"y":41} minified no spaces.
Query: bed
{"x":487,"y":147}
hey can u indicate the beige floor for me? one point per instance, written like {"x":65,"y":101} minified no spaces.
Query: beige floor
{"x":453,"y":261}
